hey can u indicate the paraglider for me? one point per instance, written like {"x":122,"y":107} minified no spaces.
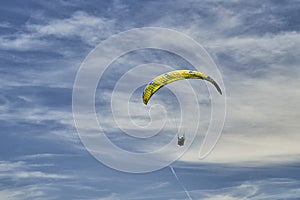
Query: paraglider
{"x":158,"y":82}
{"x":153,"y":86}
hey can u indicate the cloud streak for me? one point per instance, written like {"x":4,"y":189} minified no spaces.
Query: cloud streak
{"x":22,"y":170}
{"x":257,"y":190}
{"x":39,"y":36}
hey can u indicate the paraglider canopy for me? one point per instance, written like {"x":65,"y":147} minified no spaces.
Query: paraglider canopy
{"x":153,"y":86}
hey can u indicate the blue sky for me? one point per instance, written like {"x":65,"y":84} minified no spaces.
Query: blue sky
{"x":256,"y":47}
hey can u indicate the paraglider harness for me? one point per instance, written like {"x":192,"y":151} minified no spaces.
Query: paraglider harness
{"x":181,"y":139}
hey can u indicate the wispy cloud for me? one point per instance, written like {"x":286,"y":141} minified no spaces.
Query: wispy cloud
{"x":22,"y":170}
{"x":256,"y":190}
{"x":87,"y":28}
{"x":26,"y":192}
{"x":22,"y":42}
{"x":29,"y":180}
{"x":259,"y":52}
{"x":5,"y":25}
{"x":79,"y":26}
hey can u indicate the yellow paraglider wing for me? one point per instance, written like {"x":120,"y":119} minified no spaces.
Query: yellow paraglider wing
{"x":172,"y":76}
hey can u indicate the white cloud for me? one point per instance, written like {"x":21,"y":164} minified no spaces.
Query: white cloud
{"x":5,"y":25}
{"x":37,"y":174}
{"x":22,"y":42}
{"x":113,"y":196}
{"x":223,"y":197}
{"x":44,"y":155}
{"x":29,"y":192}
{"x":23,"y":170}
{"x":204,"y":21}
{"x":41,"y":115}
{"x":270,"y":49}
{"x":82,"y":26}
{"x":6,"y":166}
{"x":263,"y":117}
{"x":88,"y":28}
{"x":255,"y":190}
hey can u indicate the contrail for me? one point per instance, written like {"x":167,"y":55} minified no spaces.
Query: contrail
{"x":185,"y":190}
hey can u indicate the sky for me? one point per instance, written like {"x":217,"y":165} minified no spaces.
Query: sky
{"x":255,"y":48}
